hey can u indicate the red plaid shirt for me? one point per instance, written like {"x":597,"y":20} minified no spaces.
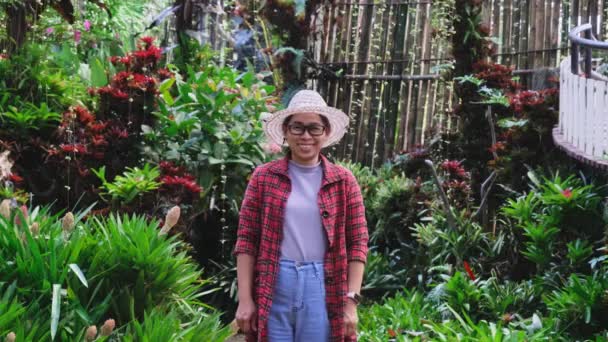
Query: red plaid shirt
{"x":260,"y":234}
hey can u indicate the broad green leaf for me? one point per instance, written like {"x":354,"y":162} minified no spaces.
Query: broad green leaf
{"x":166,"y":85}
{"x":98,"y":73}
{"x":168,"y":98}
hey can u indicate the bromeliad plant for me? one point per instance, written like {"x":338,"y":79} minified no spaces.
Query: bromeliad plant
{"x":88,"y":140}
{"x":61,"y":275}
{"x":133,"y":184}
{"x":560,"y":220}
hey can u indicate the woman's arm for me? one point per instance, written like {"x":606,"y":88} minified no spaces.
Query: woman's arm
{"x":246,"y":250}
{"x":356,"y":250}
{"x":246,"y":315}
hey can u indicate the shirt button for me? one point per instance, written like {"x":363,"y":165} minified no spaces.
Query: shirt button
{"x":325,"y":214}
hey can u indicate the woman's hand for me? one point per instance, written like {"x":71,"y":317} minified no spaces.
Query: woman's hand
{"x":246,"y":316}
{"x":350,"y":319}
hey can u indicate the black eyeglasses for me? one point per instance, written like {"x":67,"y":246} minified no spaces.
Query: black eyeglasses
{"x":315,"y":130}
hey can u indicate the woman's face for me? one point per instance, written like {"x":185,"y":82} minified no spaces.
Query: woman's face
{"x":305,"y":134}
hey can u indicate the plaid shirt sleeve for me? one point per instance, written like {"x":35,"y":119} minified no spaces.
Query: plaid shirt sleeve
{"x":356,"y":225}
{"x":248,"y":233}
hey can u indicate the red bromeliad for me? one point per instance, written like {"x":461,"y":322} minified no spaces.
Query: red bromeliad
{"x":469,"y":271}
{"x":454,"y":167}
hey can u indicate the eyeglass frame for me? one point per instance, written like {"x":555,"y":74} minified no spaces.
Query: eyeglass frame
{"x":306,"y":128}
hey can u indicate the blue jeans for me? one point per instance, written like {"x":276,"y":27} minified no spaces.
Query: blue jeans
{"x":298,"y":312}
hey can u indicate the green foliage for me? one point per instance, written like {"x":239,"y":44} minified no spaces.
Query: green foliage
{"x":25,"y":121}
{"x":393,"y":210}
{"x":36,"y":75}
{"x":366,"y":178}
{"x":210,"y":123}
{"x":383,"y":272}
{"x":402,"y":313}
{"x":468,"y":241}
{"x":461,"y":294}
{"x":492,"y":96}
{"x":502,"y":298}
{"x":579,"y":251}
{"x":581,"y":304}
{"x":163,"y":326}
{"x":559,"y":220}
{"x":409,"y":316}
{"x":70,"y":274}
{"x":134,"y":182}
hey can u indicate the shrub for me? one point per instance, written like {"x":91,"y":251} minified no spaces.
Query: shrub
{"x":558,"y":221}
{"x":67,"y":274}
{"x":580,"y":305}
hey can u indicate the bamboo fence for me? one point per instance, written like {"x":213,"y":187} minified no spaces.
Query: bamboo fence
{"x":389,"y":56}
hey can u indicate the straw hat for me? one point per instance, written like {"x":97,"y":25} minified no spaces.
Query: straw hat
{"x":306,"y":101}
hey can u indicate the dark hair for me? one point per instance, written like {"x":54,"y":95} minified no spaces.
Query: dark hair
{"x":324,"y":120}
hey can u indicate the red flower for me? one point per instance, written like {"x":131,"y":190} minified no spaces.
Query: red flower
{"x":15,"y":178}
{"x":97,"y":127}
{"x":119,"y":133}
{"x":164,"y":74}
{"x":454,"y":168}
{"x":567,"y":193}
{"x":147,"y":40}
{"x":391,"y":333}
{"x":84,"y":116}
{"x":75,"y":148}
{"x":499,"y":146}
{"x":469,"y":271}
{"x":150,"y":55}
{"x":99,"y":140}
{"x":180,"y":181}
{"x":114,"y":92}
{"x":114,"y":60}
{"x":169,"y":168}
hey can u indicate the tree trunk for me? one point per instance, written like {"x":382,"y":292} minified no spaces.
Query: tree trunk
{"x":16,"y":27}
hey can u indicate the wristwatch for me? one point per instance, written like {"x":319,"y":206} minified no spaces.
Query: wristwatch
{"x":354,"y":296}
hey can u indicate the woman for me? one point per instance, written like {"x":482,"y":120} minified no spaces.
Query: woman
{"x":302,"y":238}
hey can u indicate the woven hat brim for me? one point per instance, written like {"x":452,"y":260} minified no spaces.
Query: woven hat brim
{"x":338,"y":121}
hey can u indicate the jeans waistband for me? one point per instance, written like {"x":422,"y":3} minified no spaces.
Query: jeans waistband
{"x":299,"y":263}
{"x":302,"y":265}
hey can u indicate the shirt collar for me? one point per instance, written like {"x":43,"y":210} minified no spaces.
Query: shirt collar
{"x":331,"y":172}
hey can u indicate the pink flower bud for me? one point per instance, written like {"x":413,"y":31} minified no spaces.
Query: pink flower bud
{"x":5,"y":208}
{"x":91,"y":333}
{"x":35,"y":229}
{"x":67,"y":223}
{"x":170,"y":220}
{"x":108,"y":327}
{"x":24,"y":212}
{"x":87,"y":25}
{"x":11,"y":337}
